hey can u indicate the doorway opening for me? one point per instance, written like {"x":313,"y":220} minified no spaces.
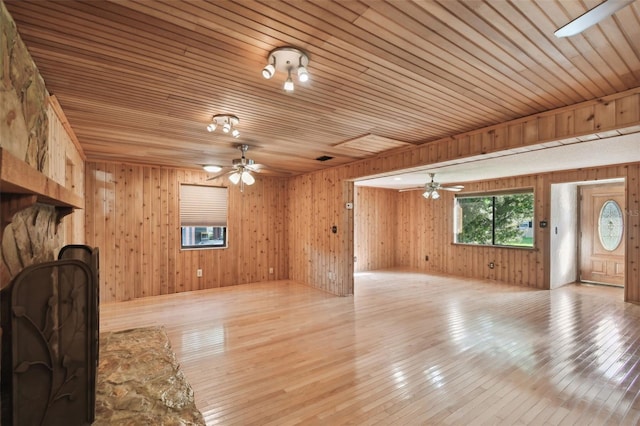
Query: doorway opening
{"x":587,"y":242}
{"x":602,"y":229}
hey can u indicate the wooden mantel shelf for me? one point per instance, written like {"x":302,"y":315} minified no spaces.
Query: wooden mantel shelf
{"x":21,"y":186}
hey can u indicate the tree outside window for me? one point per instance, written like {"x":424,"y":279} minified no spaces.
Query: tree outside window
{"x":501,"y":219}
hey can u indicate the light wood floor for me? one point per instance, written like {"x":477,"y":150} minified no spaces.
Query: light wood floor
{"x":408,"y":348}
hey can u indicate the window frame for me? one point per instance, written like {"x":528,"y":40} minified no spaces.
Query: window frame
{"x":493,"y":195}
{"x":212,"y":214}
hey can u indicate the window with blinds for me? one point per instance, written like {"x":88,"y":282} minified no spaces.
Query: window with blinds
{"x":203,"y":216}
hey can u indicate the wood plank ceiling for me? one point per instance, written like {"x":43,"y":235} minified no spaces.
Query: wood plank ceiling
{"x":139,"y":81}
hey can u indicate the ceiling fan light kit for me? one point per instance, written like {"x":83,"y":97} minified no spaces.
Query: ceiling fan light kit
{"x":241,"y":169}
{"x":431,"y":188}
{"x":287,"y":59}
{"x":433,"y":194}
{"x":591,"y":17}
{"x":227,"y":122}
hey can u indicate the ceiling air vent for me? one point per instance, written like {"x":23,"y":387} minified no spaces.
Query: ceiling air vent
{"x":324,"y":158}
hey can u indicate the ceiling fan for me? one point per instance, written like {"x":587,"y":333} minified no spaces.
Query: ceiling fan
{"x":591,"y":17}
{"x":241,"y":169}
{"x":431,"y":188}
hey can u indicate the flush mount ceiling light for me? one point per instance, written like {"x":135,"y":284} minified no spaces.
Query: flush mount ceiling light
{"x":286,"y":60}
{"x":226,"y":122}
{"x":211,"y":168}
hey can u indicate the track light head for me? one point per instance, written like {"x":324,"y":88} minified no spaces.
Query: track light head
{"x":268,"y":71}
{"x":288,"y":85}
{"x":212,"y":127}
{"x":303,"y":74}
{"x":235,"y":133}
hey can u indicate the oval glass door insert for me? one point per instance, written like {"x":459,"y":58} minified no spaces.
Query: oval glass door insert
{"x":610,"y":225}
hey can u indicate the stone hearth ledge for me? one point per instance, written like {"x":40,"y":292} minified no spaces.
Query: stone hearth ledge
{"x":140,"y":382}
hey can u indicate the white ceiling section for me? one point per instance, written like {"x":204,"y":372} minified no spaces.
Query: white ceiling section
{"x":600,"y":152}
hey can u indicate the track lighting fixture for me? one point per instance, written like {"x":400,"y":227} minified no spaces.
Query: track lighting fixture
{"x":286,"y":59}
{"x":228,"y":123}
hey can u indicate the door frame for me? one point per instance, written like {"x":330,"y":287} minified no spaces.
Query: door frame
{"x":580,"y":233}
{"x":567,"y":232}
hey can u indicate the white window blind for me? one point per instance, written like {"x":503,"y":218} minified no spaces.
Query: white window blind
{"x":203,"y":205}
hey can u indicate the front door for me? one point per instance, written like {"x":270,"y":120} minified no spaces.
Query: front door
{"x":602,"y":226}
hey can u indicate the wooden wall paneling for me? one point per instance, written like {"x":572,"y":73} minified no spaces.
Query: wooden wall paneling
{"x":584,"y":119}
{"x":404,"y":224}
{"x":345,"y":268}
{"x":547,"y":127}
{"x":110,"y":235}
{"x":56,"y":149}
{"x":605,"y":115}
{"x":173,"y":231}
{"x":163,"y":182}
{"x":530,"y":131}
{"x":155,"y":241}
{"x":91,"y":198}
{"x":375,"y":228}
{"x":183,"y":260}
{"x":565,"y":124}
{"x":65,"y":165}
{"x":515,"y":135}
{"x":501,"y":138}
{"x":628,"y":110}
{"x":135,"y":203}
{"x":141,"y":241}
{"x":632,"y":287}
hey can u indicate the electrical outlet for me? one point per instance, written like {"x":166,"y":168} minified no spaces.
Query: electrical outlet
{"x":198,"y":273}
{"x":271,"y":270}
{"x":492,"y":265}
{"x":426,"y":258}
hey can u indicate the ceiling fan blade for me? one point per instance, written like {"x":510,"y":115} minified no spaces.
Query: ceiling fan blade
{"x":591,"y":17}
{"x":216,"y":176}
{"x":452,"y":188}
{"x":261,"y":168}
{"x":420,"y":188}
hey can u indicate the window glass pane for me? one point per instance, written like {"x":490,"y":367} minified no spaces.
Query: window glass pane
{"x":502,"y":219}
{"x":514,"y":220}
{"x":474,"y":220}
{"x":204,"y":236}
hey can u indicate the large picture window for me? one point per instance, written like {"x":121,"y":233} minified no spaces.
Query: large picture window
{"x":203,"y":216}
{"x":504,"y":219}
